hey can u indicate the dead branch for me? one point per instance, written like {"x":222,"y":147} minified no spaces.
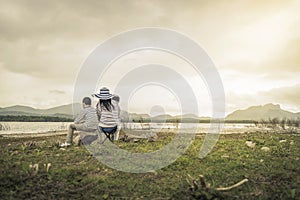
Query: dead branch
{"x":195,"y":184}
{"x":233,"y":186}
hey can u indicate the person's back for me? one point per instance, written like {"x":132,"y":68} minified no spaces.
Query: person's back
{"x":86,"y":121}
{"x":88,"y":118}
{"x":116,"y":98}
{"x":108,"y":117}
{"x":108,"y":112}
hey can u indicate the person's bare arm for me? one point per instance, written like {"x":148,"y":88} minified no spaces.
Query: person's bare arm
{"x":98,"y":110}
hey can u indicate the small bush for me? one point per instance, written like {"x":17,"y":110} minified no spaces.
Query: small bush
{"x":284,"y":125}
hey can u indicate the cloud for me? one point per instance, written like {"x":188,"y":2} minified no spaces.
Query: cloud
{"x":44,"y":43}
{"x":57,"y":91}
{"x":23,"y":89}
{"x":288,"y":96}
{"x":74,"y":19}
{"x":287,"y":60}
{"x":283,"y":63}
{"x":52,"y":39}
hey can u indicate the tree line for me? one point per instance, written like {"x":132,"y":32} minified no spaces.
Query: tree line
{"x":24,"y":118}
{"x":282,"y":125}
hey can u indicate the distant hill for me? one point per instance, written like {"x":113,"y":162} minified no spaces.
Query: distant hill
{"x":17,"y":113}
{"x":134,"y":116}
{"x":60,"y":111}
{"x":163,"y":118}
{"x":66,"y":111}
{"x":262,"y":112}
{"x":15,"y":110}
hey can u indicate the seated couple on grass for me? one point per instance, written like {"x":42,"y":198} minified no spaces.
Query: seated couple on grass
{"x":105,"y":118}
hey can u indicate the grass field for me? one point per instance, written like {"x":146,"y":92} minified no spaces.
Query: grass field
{"x":74,"y":174}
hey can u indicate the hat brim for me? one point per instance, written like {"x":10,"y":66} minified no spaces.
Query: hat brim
{"x":103,"y":97}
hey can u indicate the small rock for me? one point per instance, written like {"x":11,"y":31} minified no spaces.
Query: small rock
{"x":135,"y":140}
{"x":34,"y":169}
{"x":153,"y":171}
{"x":48,"y":167}
{"x":261,"y":160}
{"x":181,"y":146}
{"x":225,"y":156}
{"x":282,"y":141}
{"x":250,"y":144}
{"x":265,"y":148}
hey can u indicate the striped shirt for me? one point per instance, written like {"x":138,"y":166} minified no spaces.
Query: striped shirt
{"x":87,"y":117}
{"x":108,"y":118}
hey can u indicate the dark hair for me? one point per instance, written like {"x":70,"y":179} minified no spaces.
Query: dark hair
{"x":106,"y":104}
{"x":116,"y":98}
{"x":87,"y":101}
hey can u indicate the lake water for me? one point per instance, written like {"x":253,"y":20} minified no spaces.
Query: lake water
{"x":44,"y":127}
{"x":32,"y":127}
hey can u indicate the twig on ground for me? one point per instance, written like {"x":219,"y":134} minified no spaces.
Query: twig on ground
{"x":203,"y":185}
{"x":233,"y":186}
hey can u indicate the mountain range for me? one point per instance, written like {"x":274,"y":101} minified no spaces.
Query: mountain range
{"x":252,"y":113}
{"x":262,"y":112}
{"x":59,"y":111}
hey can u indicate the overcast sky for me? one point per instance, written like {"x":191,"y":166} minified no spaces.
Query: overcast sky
{"x":254,"y":44}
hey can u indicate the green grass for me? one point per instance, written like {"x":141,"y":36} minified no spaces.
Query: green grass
{"x":75,"y":174}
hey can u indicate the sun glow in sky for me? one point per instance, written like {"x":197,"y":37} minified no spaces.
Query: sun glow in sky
{"x":254,"y":44}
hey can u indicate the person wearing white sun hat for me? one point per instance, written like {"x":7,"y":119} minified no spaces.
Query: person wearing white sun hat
{"x":108,"y":112}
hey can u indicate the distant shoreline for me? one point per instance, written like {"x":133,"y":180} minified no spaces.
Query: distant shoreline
{"x":26,"y":118}
{"x":34,"y":118}
{"x":27,"y":135}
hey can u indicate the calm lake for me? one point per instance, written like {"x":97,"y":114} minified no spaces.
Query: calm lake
{"x":44,"y":127}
